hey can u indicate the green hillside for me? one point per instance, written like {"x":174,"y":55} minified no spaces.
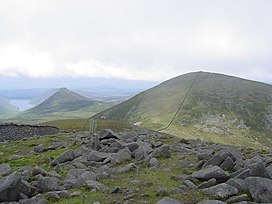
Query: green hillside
{"x":6,"y":107}
{"x":203,"y":105}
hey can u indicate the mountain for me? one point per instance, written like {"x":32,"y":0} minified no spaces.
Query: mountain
{"x":62,"y":101}
{"x":204,"y":105}
{"x":6,"y":107}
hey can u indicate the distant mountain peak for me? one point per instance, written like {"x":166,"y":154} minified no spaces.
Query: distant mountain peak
{"x":62,"y":100}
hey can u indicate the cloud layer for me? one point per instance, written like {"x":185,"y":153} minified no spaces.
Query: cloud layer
{"x":143,"y":39}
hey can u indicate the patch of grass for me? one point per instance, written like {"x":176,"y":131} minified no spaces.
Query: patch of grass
{"x":70,"y":124}
{"x":116,"y":126}
{"x":24,"y":147}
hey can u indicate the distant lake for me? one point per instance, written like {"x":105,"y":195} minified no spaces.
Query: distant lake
{"x":22,"y":104}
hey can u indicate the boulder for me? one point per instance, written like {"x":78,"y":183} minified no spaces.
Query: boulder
{"x":139,"y":154}
{"x":8,"y":187}
{"x":40,"y":148}
{"x":154,"y":162}
{"x":25,"y":188}
{"x":123,"y":169}
{"x":221,"y":191}
{"x":39,"y":170}
{"x":207,"y":184}
{"x":209,"y":173}
{"x":96,"y":185}
{"x":205,"y":155}
{"x":46,"y":184}
{"x":228,"y":164}
{"x":162,"y":192}
{"x":239,"y":198}
{"x":53,"y":196}
{"x":189,"y":184}
{"x":260,"y":189}
{"x":64,"y":157}
{"x":81,"y":151}
{"x":5,"y":169}
{"x":167,"y":200}
{"x":132,"y":146}
{"x":77,"y":178}
{"x":38,"y":199}
{"x":269,"y":170}
{"x":108,"y":134}
{"x":237,"y":183}
{"x":163,"y":151}
{"x":122,"y":155}
{"x":258,"y":170}
{"x":216,"y":160}
{"x":97,"y":156}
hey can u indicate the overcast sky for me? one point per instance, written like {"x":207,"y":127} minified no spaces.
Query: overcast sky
{"x":151,"y":40}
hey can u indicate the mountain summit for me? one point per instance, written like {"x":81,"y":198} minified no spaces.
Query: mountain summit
{"x":212,"y":106}
{"x":61,"y":101}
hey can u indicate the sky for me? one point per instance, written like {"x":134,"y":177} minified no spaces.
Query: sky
{"x":128,"y":42}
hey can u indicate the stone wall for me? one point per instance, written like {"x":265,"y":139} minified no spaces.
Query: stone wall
{"x":12,"y":132}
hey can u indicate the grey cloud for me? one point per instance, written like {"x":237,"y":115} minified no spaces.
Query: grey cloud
{"x":143,"y":36}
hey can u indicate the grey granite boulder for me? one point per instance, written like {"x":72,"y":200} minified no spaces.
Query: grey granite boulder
{"x":96,"y":185}
{"x":97,"y":156}
{"x":8,"y":187}
{"x":5,"y":169}
{"x":46,"y":184}
{"x":209,"y":173}
{"x":260,"y":189}
{"x":122,"y":155}
{"x":64,"y":157}
{"x":163,"y":151}
{"x":221,"y":191}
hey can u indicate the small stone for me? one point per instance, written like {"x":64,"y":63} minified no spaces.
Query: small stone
{"x":76,"y":193}
{"x":5,"y":169}
{"x":167,"y":200}
{"x":162,"y":192}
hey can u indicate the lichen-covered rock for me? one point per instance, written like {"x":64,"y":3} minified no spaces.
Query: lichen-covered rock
{"x":260,"y":189}
{"x":221,"y":191}
{"x":211,"y":172}
{"x":5,"y":169}
{"x":64,"y":157}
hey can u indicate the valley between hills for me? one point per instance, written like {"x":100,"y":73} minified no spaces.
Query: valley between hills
{"x":198,"y":138}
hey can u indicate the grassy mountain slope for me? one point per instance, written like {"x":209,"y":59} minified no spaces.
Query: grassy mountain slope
{"x":6,"y":107}
{"x":217,"y":107}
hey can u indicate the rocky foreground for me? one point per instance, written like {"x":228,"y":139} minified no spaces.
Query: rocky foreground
{"x":212,"y":173}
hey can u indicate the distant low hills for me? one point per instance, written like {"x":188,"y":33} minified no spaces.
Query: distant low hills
{"x":6,"y":107}
{"x":204,"y":105}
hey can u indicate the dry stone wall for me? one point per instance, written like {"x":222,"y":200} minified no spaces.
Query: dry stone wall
{"x":13,"y":132}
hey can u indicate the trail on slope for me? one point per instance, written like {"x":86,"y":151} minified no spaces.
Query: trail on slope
{"x":180,"y":106}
